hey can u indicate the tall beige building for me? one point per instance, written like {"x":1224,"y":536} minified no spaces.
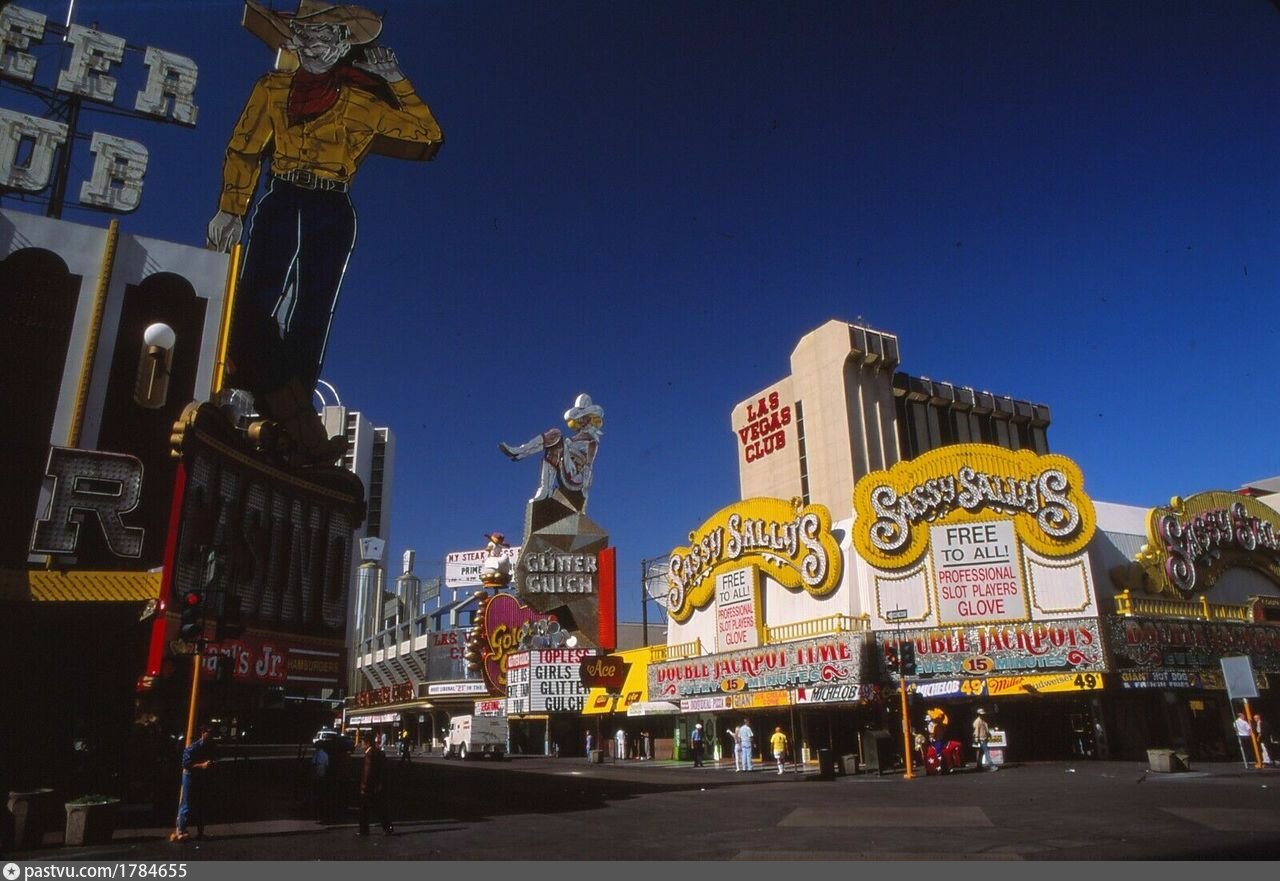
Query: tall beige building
{"x":846,"y":410}
{"x":370,"y":455}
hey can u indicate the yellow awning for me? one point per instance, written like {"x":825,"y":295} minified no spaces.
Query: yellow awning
{"x":634,"y":690}
{"x":50,"y":586}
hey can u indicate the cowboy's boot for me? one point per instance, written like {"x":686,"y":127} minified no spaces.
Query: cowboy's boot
{"x":547,"y":439}
{"x":525,"y":449}
{"x":237,"y":406}
{"x":291,"y":407}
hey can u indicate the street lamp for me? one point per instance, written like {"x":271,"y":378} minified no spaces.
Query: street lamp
{"x":151,"y":385}
{"x":896,"y":616}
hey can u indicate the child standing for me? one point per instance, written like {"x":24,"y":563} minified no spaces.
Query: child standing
{"x":778,"y":742}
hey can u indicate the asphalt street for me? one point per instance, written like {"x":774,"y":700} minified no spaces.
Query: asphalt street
{"x":569,"y":810}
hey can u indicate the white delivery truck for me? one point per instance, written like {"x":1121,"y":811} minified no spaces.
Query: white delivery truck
{"x":471,"y":737}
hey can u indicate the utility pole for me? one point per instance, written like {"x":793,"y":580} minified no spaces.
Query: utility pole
{"x":896,"y":616}
{"x":644,"y":602}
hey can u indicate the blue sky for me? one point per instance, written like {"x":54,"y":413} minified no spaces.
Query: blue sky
{"x":1072,"y":203}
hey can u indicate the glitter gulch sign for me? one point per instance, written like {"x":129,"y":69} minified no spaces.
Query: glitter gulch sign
{"x":504,"y":626}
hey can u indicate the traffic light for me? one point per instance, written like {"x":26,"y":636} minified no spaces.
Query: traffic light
{"x":192,"y":626}
{"x":907,"y":659}
{"x":891,"y":658}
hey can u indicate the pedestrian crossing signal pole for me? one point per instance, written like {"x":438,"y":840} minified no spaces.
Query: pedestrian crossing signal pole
{"x":896,"y":616}
{"x":1253,"y":736}
{"x":197,"y":659}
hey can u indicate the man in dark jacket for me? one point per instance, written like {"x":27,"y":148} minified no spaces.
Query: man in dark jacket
{"x":373,"y":788}
{"x":696,"y":742}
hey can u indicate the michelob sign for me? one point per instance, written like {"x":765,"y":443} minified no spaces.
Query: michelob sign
{"x":968,"y":483}
{"x":790,"y":542}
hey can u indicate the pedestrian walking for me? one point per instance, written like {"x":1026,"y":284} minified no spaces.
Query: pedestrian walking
{"x":696,"y":744}
{"x":620,"y":739}
{"x":590,"y":743}
{"x":778,"y":743}
{"x":193,"y":801}
{"x":737,"y":753}
{"x":1266,"y":740}
{"x":745,"y":744}
{"x":321,"y":776}
{"x":373,"y":789}
{"x":982,"y":740}
{"x":1245,"y":735}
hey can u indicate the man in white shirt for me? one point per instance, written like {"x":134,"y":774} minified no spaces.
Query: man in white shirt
{"x":745,"y":735}
{"x":1245,"y":734}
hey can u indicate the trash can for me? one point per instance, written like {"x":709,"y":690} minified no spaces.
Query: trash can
{"x":826,"y":765}
{"x":877,"y":749}
{"x":597,"y":757}
{"x":848,"y":764}
{"x":34,"y":813}
{"x":1168,"y":761}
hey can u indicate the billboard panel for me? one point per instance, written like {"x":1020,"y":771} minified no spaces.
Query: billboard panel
{"x":546,"y":682}
{"x":462,"y":568}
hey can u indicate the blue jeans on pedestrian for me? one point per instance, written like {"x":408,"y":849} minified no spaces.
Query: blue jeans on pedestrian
{"x":189,"y":807}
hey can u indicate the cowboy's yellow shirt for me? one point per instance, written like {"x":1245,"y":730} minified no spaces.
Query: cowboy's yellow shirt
{"x":330,"y":145}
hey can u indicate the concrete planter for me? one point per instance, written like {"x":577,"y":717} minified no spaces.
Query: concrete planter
{"x":91,"y":822}
{"x":1167,"y":761}
{"x":34,"y":814}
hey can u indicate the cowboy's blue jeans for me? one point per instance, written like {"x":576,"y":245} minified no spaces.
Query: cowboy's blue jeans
{"x":298,"y":246}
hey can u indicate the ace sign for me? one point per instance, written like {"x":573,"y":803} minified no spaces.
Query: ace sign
{"x":979,"y":576}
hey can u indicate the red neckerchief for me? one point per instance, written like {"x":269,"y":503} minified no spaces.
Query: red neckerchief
{"x":311,"y":94}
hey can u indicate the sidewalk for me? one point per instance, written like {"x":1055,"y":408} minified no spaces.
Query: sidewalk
{"x":280,"y":813}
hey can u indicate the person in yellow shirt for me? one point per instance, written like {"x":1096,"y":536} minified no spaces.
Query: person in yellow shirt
{"x":305,"y":132}
{"x":778,"y":743}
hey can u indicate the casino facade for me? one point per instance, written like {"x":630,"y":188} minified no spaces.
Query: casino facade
{"x":890,"y":522}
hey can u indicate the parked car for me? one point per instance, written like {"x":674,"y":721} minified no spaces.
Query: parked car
{"x":333,"y":741}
